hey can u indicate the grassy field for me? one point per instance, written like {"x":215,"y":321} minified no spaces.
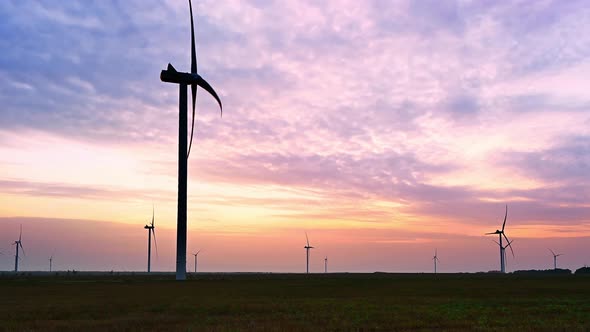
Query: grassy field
{"x":294,"y":302}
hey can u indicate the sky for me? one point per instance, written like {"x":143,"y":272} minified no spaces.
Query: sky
{"x":383,"y":129}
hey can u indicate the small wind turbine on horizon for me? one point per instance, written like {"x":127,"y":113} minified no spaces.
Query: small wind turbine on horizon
{"x":435,"y":259}
{"x":196,"y":257}
{"x":50,"y":263}
{"x":326,"y":264}
{"x":151,"y":228}
{"x":503,"y":248}
{"x":555,"y":259}
{"x":307,"y":248}
{"x":18,"y":244}
{"x":183,"y":80}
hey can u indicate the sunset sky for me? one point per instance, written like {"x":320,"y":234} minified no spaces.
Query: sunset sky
{"x":385,"y":129}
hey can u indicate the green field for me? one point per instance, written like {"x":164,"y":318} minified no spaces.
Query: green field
{"x":295,"y":302}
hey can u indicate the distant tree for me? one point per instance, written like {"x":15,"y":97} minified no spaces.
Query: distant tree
{"x":583,"y":270}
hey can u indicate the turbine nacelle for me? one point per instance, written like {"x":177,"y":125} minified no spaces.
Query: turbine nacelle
{"x":171,"y":75}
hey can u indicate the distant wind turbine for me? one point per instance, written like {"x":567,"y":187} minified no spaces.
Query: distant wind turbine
{"x":503,"y":248}
{"x":193,"y":79}
{"x":435,"y":259}
{"x":307,"y":247}
{"x":555,"y":259}
{"x":151,"y":228}
{"x":326,"y":264}
{"x":50,"y":262}
{"x":196,"y":257}
{"x":18,"y":244}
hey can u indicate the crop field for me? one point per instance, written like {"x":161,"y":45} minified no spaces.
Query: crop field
{"x":295,"y":302}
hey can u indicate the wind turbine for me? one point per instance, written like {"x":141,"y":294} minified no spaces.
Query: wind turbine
{"x":555,"y":259}
{"x":196,"y":257}
{"x":50,"y":262}
{"x":307,"y":247}
{"x":18,"y":244}
{"x":151,"y":228}
{"x":503,"y":248}
{"x":326,"y":264}
{"x":435,"y":259}
{"x":183,"y":80}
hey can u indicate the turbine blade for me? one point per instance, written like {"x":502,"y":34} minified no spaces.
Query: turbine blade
{"x":307,"y":239}
{"x":496,"y":242}
{"x":193,"y":71}
{"x":190,"y":143}
{"x":509,"y":244}
{"x":21,"y":248}
{"x":21,"y":233}
{"x":155,"y":242}
{"x":490,"y":233}
{"x":153,"y":214}
{"x":203,"y":84}
{"x":193,"y":47}
{"x":505,"y":216}
{"x":551,"y":251}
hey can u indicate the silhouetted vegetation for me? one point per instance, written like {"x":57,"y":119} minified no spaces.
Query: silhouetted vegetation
{"x":544,"y":272}
{"x":583,"y":270}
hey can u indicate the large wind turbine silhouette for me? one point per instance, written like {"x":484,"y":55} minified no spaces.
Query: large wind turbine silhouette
{"x":193,"y":79}
{"x":503,"y":248}
{"x":307,"y":247}
{"x":555,"y":259}
{"x":151,"y":228}
{"x":196,"y":257}
{"x":435,"y":259}
{"x":18,"y":244}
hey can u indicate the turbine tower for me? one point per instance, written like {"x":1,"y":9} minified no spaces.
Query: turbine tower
{"x":555,"y":259}
{"x":435,"y":259}
{"x":151,"y":228}
{"x":326,"y":264}
{"x":183,"y":80}
{"x":503,"y":248}
{"x":50,"y":262}
{"x":196,"y":257}
{"x":18,"y":244}
{"x":307,"y":247}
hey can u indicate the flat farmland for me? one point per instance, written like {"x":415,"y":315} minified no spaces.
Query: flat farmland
{"x":294,"y":302}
